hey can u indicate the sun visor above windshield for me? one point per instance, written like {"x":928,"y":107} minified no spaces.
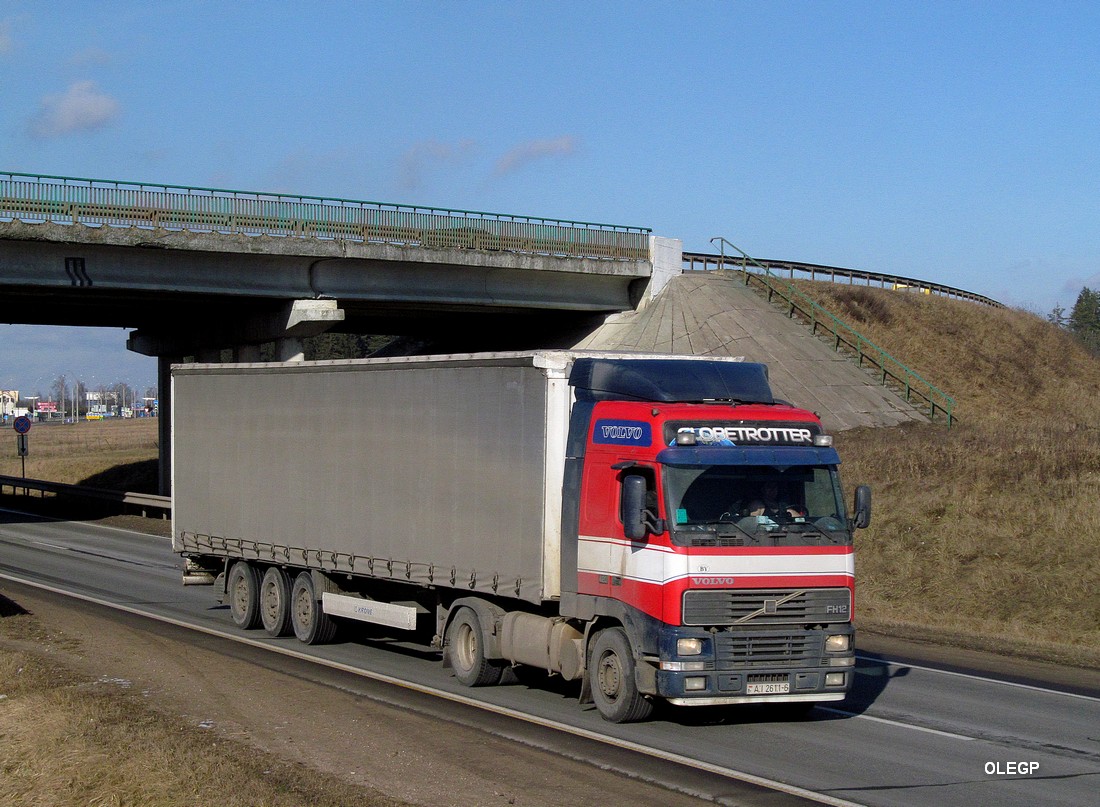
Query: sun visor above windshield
{"x":748,"y":455}
{"x":670,"y":380}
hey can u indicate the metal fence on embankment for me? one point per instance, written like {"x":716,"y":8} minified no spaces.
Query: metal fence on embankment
{"x":98,"y":202}
{"x":835,"y":274}
{"x":889,"y":371}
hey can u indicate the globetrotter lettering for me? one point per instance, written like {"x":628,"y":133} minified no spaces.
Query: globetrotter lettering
{"x":749,"y":434}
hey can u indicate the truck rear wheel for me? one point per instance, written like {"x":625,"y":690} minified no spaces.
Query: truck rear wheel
{"x":613,"y":687}
{"x":466,"y":651}
{"x":311,"y":624}
{"x":275,"y":602}
{"x":243,"y":589}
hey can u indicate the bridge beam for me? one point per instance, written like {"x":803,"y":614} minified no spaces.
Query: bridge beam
{"x":294,"y":320}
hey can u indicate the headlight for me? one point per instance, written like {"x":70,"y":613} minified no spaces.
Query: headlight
{"x":837,"y":643}
{"x":689,"y":647}
{"x":834,"y":679}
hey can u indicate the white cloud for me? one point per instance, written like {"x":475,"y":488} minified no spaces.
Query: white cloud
{"x":428,"y":155}
{"x":532,"y":150}
{"x":82,"y":107}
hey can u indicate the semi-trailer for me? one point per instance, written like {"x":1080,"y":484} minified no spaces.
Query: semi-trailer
{"x":655,"y":527}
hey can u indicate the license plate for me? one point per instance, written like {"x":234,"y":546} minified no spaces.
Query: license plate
{"x":767,"y":689}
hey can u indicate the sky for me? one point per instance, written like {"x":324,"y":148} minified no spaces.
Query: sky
{"x":950,"y":141}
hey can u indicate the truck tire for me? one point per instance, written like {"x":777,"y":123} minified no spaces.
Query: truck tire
{"x":466,"y":651}
{"x":275,"y":602}
{"x":243,"y":592}
{"x":614,"y":690}
{"x":311,"y":624}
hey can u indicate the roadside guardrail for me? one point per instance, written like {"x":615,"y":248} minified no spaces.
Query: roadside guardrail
{"x":145,"y":502}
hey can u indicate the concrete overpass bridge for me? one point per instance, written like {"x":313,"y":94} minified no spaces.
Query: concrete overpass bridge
{"x":198,"y":270}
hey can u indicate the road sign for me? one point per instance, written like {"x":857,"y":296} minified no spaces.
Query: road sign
{"x":22,"y":424}
{"x":22,"y":446}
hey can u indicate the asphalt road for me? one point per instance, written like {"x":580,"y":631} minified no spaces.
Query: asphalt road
{"x":908,"y":735}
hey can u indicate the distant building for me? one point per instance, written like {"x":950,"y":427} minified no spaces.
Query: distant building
{"x":8,"y":399}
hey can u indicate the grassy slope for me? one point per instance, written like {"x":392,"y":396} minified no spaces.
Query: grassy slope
{"x":985,"y":533}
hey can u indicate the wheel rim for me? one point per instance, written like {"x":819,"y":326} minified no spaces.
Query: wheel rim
{"x":609,"y":675}
{"x":240,"y":596}
{"x":269,"y":598}
{"x":465,"y":647}
{"x":303,"y":607}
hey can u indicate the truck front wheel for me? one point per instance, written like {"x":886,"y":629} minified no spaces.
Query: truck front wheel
{"x":466,"y":651}
{"x":613,"y":687}
{"x":311,"y":624}
{"x":243,"y":590}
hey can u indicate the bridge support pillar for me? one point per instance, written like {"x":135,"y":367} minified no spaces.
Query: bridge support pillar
{"x":164,"y":422}
{"x":290,"y":348}
{"x":667,"y":256}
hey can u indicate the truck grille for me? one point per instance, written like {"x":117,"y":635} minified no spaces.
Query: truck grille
{"x":767,"y":606}
{"x":767,"y":649}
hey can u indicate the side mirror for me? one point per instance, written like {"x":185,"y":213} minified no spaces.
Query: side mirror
{"x":633,"y":513}
{"x":638,"y":521}
{"x":862,"y":507}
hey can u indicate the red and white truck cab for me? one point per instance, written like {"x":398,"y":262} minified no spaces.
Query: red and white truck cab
{"x":712,"y":528}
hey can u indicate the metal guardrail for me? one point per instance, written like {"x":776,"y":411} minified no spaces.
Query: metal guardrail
{"x":144,"y":501}
{"x":102,"y":202}
{"x":890,"y":370}
{"x":696,"y":261}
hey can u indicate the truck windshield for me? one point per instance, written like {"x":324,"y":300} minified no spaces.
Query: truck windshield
{"x":756,"y":505}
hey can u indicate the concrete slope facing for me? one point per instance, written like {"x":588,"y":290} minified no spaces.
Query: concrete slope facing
{"x":714,"y":314}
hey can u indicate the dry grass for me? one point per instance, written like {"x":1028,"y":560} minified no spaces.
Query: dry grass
{"x":983,"y":533}
{"x":78,"y":453}
{"x":66,"y":741}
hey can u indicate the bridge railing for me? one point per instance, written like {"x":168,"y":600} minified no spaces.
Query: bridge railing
{"x":890,"y":371}
{"x":97,"y":202}
{"x":694,"y":261}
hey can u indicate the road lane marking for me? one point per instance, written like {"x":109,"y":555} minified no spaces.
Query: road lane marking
{"x":898,"y":723}
{"x":986,"y":679}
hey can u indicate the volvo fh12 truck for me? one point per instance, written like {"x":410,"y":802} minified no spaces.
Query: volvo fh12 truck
{"x":657,"y":528}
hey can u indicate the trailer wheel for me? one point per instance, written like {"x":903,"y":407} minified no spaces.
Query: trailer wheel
{"x":613,"y":687}
{"x":311,"y":624}
{"x":275,"y":602}
{"x":466,"y":651}
{"x":243,"y":588}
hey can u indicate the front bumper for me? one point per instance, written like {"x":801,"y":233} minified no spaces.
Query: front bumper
{"x":786,"y":665}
